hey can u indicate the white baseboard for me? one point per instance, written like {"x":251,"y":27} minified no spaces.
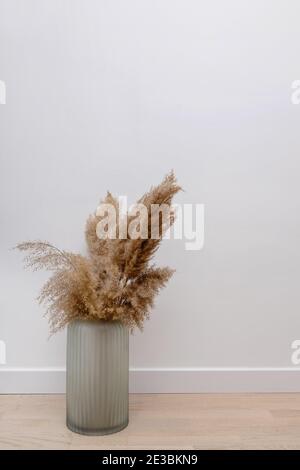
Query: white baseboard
{"x":169,"y":380}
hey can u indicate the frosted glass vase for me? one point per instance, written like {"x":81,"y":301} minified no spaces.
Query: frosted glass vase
{"x":97,"y":376}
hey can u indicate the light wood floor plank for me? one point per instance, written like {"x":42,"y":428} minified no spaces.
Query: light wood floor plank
{"x":169,"y":421}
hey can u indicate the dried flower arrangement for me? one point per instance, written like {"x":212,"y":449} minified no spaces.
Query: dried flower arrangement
{"x":115,"y":281}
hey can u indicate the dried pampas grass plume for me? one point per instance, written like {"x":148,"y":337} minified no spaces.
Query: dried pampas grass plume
{"x":115,"y":281}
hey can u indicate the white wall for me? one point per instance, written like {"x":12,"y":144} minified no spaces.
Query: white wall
{"x":111,"y":95}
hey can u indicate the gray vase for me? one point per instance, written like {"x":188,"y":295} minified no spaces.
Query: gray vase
{"x":97,"y":377}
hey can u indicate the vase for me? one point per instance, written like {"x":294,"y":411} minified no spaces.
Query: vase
{"x":97,"y":376}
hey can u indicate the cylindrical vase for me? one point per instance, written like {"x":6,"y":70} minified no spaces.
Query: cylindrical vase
{"x":97,"y":376}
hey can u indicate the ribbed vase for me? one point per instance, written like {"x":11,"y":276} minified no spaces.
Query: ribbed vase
{"x":97,"y":377}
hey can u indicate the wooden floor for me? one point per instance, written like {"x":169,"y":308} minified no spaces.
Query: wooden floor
{"x":231,"y":421}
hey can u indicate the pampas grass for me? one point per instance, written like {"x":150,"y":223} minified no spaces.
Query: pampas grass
{"x":116,"y":280}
